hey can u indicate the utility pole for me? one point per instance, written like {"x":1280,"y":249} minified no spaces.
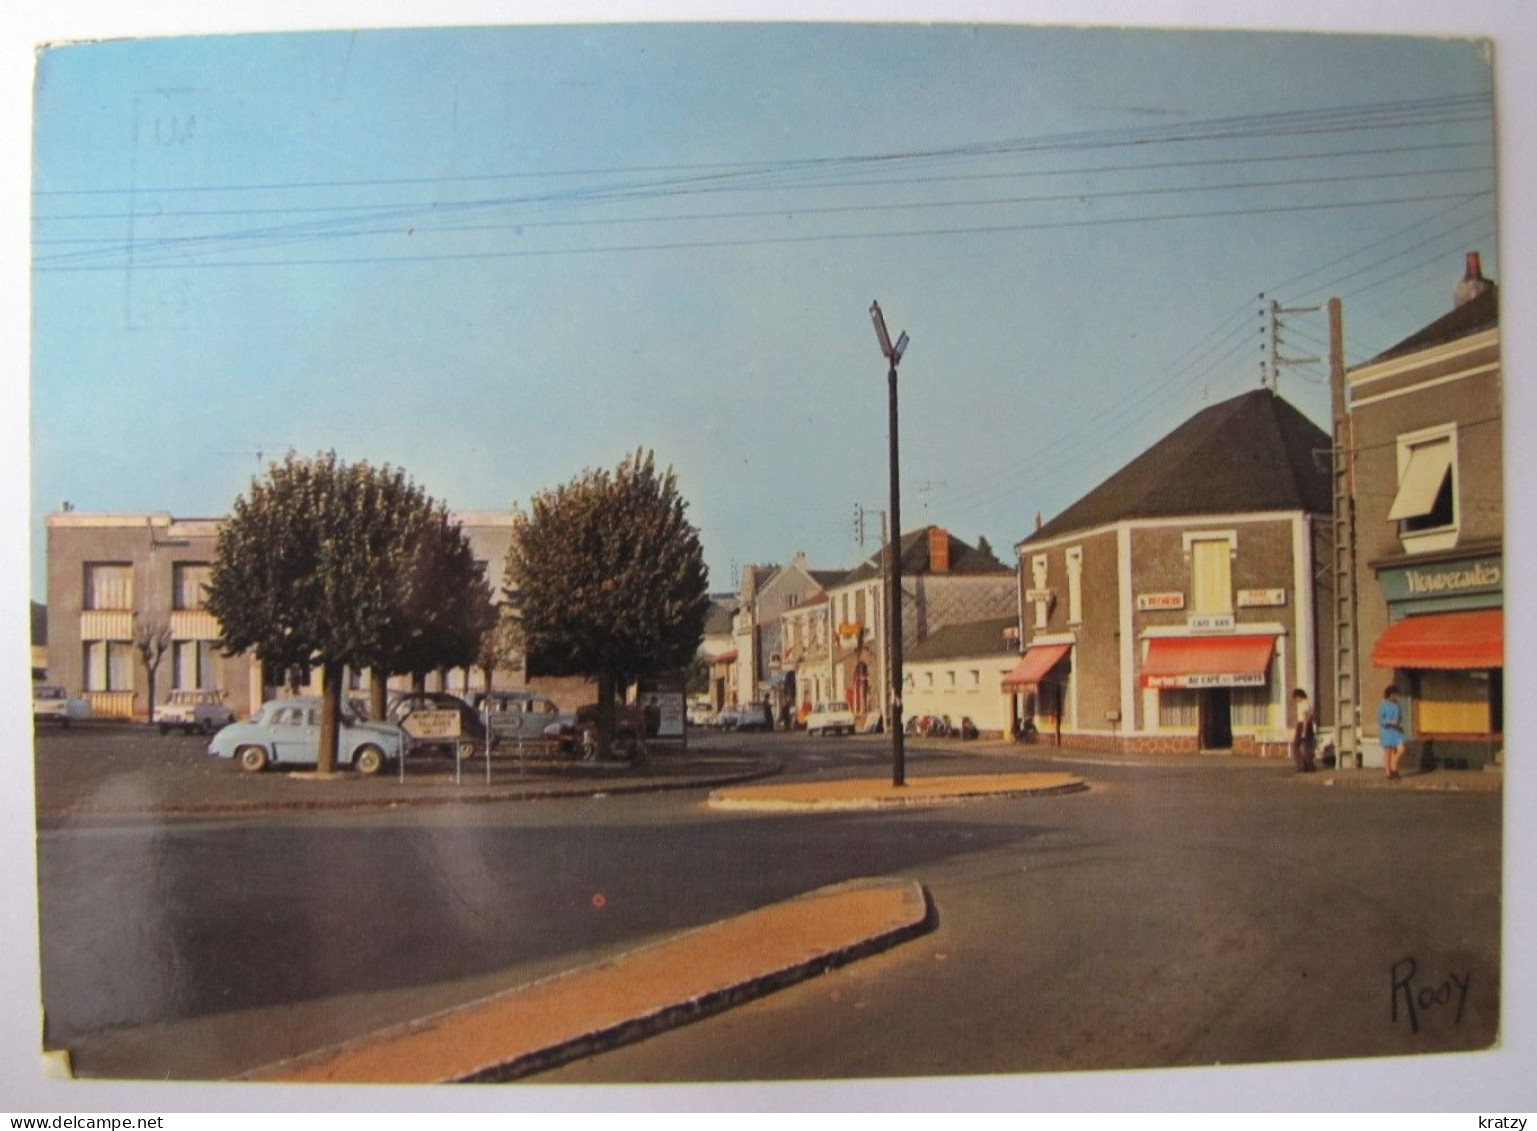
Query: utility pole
{"x":1277,"y":361}
{"x":1347,"y":662}
{"x":893,"y":353}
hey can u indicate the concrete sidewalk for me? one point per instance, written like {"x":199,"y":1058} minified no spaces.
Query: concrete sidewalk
{"x":634,"y":995}
{"x":877,"y":793}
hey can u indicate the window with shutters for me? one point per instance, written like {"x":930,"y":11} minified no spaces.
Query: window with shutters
{"x":1211,"y":575}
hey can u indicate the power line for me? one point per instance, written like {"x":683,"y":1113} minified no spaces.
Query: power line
{"x":1455,"y":109}
{"x":991,"y":229}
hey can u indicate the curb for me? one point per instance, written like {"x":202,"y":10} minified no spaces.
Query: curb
{"x":828,"y":797}
{"x":594,"y":1008}
{"x":544,"y":792}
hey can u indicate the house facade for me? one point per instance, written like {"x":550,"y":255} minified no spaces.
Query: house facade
{"x":110,"y":575}
{"x":945,"y":581}
{"x":1175,"y":607}
{"x":1427,"y":466}
{"x":958,"y":671}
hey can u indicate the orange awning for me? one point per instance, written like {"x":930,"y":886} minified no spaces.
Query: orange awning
{"x":724,"y":658}
{"x":1034,"y":665}
{"x":1207,"y":661}
{"x":1461,"y":641}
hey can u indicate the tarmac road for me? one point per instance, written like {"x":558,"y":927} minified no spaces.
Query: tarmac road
{"x":1185,"y":912}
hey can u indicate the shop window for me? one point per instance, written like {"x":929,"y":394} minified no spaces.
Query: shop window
{"x":108,"y":586}
{"x":1425,"y":504}
{"x":1179,"y":709}
{"x":1453,"y":702}
{"x":1251,"y":707}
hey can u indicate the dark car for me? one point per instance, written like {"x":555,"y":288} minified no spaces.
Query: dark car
{"x":436,"y":719}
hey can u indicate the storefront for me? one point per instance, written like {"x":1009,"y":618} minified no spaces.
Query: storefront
{"x":1039,"y":689}
{"x":1212,"y":685}
{"x":1445,"y":645}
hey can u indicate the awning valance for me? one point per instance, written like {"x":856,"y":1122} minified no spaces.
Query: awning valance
{"x":1207,"y":661}
{"x":1034,"y":665}
{"x":1457,"y":641}
{"x":724,"y":658}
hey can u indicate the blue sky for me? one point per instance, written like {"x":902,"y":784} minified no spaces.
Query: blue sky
{"x":498,"y":256}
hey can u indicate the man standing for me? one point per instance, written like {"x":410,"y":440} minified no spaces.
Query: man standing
{"x":1304,"y":733}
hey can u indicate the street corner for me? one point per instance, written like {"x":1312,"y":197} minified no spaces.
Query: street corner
{"x":871,"y":793}
{"x":589,"y":1009}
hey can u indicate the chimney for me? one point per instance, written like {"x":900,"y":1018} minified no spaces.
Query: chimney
{"x":1038,"y":522}
{"x":939,"y":550}
{"x":749,"y":583}
{"x":799,"y":560}
{"x":1472,"y":283}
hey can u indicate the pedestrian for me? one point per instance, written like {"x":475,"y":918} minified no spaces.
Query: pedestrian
{"x":1390,"y":730}
{"x":1304,"y":734}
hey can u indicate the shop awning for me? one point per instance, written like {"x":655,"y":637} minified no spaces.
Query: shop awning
{"x":1034,"y":665}
{"x":1461,"y":641}
{"x":724,"y":658}
{"x":1207,"y":661}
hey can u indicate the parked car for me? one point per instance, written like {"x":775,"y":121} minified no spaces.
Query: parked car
{"x":727,"y":718}
{"x":700,"y":715}
{"x":52,"y":704}
{"x":194,"y":710}
{"x":287,"y":732}
{"x":832,"y":717}
{"x":577,"y":733}
{"x":754,"y":716}
{"x":438,"y":720}
{"x":515,"y":716}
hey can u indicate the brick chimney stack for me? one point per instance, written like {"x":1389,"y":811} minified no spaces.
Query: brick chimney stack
{"x":939,"y":550}
{"x":1472,"y":284}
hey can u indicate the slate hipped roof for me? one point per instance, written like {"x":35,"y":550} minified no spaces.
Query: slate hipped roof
{"x":973,"y":638}
{"x":915,"y":547}
{"x":1252,"y":453}
{"x":1480,"y":313}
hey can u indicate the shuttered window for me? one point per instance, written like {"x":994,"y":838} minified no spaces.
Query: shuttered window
{"x":1453,"y":702}
{"x":1211,"y":576}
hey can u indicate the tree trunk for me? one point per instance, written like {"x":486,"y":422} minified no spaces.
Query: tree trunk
{"x":378,"y":688}
{"x":330,"y":717}
{"x":605,"y":715}
{"x":418,"y":681}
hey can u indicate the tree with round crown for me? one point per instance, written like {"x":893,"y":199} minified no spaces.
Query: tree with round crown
{"x":341,"y":565}
{"x":610,"y":580}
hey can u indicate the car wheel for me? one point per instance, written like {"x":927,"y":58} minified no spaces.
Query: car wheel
{"x":164,"y":729}
{"x":368,"y":760}
{"x":252,"y":759}
{"x":209,"y":726}
{"x":468,"y":750}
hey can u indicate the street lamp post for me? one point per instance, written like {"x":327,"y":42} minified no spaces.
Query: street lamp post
{"x":893,"y":352}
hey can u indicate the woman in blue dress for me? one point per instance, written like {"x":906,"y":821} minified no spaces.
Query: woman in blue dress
{"x":1390,"y":730}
